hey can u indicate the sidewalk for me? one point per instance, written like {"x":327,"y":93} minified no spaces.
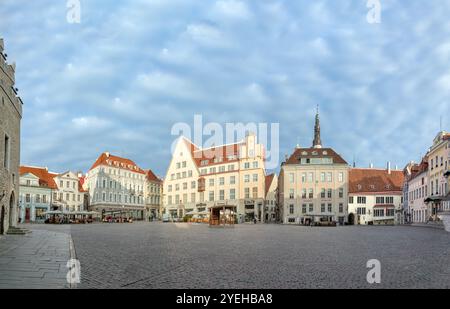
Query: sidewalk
{"x":35,"y":261}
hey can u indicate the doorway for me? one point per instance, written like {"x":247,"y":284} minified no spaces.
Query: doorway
{"x":27,"y":215}
{"x":2,"y":218}
{"x":11,"y":210}
{"x":351,"y":219}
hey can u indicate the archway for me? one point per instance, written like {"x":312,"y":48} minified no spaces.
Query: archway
{"x":2,"y":222}
{"x":351,"y":219}
{"x":11,"y":210}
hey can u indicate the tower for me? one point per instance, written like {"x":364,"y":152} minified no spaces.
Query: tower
{"x":317,"y":143}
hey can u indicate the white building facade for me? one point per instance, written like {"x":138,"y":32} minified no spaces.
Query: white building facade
{"x":69,"y":195}
{"x":375,"y":196}
{"x":232,"y":175}
{"x":116,"y":187}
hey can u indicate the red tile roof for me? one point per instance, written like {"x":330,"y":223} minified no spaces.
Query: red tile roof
{"x":216,"y":155}
{"x":81,"y":181}
{"x":315,"y":153}
{"x":107,"y":159}
{"x":374,"y":180}
{"x":45,"y":178}
{"x":269,"y":179}
{"x":152,"y":177}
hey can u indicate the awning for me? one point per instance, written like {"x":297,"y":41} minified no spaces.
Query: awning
{"x":433,"y":199}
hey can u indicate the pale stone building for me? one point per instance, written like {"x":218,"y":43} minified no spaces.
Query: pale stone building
{"x":232,"y":175}
{"x":69,"y":195}
{"x":313,"y":185}
{"x":375,"y":196}
{"x":417,"y":183}
{"x":271,"y":199}
{"x":116,"y":187}
{"x":35,"y":194}
{"x":438,"y":165}
{"x":153,"y":196}
{"x":10,"y":118}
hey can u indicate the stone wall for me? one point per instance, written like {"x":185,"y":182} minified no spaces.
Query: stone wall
{"x":10,"y":118}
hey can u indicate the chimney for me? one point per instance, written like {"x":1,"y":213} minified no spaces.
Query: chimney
{"x":389,"y":168}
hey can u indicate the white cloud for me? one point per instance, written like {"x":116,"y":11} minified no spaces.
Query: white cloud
{"x":232,"y":8}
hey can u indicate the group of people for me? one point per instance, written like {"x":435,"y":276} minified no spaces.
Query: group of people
{"x":110,"y":219}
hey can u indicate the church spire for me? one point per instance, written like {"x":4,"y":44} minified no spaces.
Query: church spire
{"x":317,"y":143}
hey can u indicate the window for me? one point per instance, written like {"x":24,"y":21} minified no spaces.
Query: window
{"x":303,"y":177}
{"x":232,"y":180}
{"x":231,"y":167}
{"x":322,"y":207}
{"x":193,"y":184}
{"x":361,"y":210}
{"x":329,"y":193}
{"x":247,"y":165}
{"x":232,"y":194}
{"x":389,"y":200}
{"x":291,"y":194}
{"x":211,"y":182}
{"x":247,"y":192}
{"x":379,"y":200}
{"x":378,"y":213}
{"x":184,"y":164}
{"x":291,"y":177}
{"x":185,"y":185}
{"x":61,"y":184}
{"x":303,"y":193}
{"x":246,"y":178}
{"x":255,"y":164}
{"x":322,"y":177}
{"x":341,"y":192}
{"x":390,"y":212}
{"x":330,"y":208}
{"x":255,"y":192}
{"x":361,"y":199}
{"x":311,"y":193}
{"x":185,"y":198}
{"x":322,"y":193}
{"x":222,"y":195}
{"x":291,"y":209}
{"x":341,"y":208}
{"x":27,"y":198}
{"x":311,"y":207}
{"x":310,"y":177}
{"x":341,"y":177}
{"x":329,"y":177}
{"x":304,"y":209}
{"x":177,"y":187}
{"x":255,"y":177}
{"x":169,"y":188}
{"x":6,"y":154}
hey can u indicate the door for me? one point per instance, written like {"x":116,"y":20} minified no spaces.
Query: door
{"x":27,"y":215}
{"x":2,"y":218}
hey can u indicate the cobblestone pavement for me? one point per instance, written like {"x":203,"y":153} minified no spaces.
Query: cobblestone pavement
{"x":158,"y":255}
{"x":166,"y":255}
{"x":34,"y":261}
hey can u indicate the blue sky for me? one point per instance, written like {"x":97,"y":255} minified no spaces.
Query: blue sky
{"x":130,"y":70}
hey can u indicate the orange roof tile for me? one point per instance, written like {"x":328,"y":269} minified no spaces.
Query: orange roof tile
{"x":45,"y":178}
{"x":107,"y":159}
{"x":216,"y":155}
{"x":269,"y":179}
{"x":152,"y":177}
{"x":374,"y":180}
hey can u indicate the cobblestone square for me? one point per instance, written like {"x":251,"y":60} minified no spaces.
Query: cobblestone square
{"x":189,"y":256}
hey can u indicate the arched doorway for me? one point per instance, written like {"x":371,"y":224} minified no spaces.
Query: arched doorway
{"x":351,"y":219}
{"x":2,"y":222}
{"x":11,"y":210}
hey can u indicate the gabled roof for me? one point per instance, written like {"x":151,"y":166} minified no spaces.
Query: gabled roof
{"x":45,"y":178}
{"x":269,"y":179}
{"x":216,"y":155}
{"x":315,"y":153}
{"x":152,"y":177}
{"x":363,"y":180}
{"x":106,"y":159}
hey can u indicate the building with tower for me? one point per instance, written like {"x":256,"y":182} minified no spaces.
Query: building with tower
{"x":10,"y":119}
{"x":313,"y":184}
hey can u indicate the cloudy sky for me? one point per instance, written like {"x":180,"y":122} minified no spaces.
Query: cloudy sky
{"x":119,"y":80}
